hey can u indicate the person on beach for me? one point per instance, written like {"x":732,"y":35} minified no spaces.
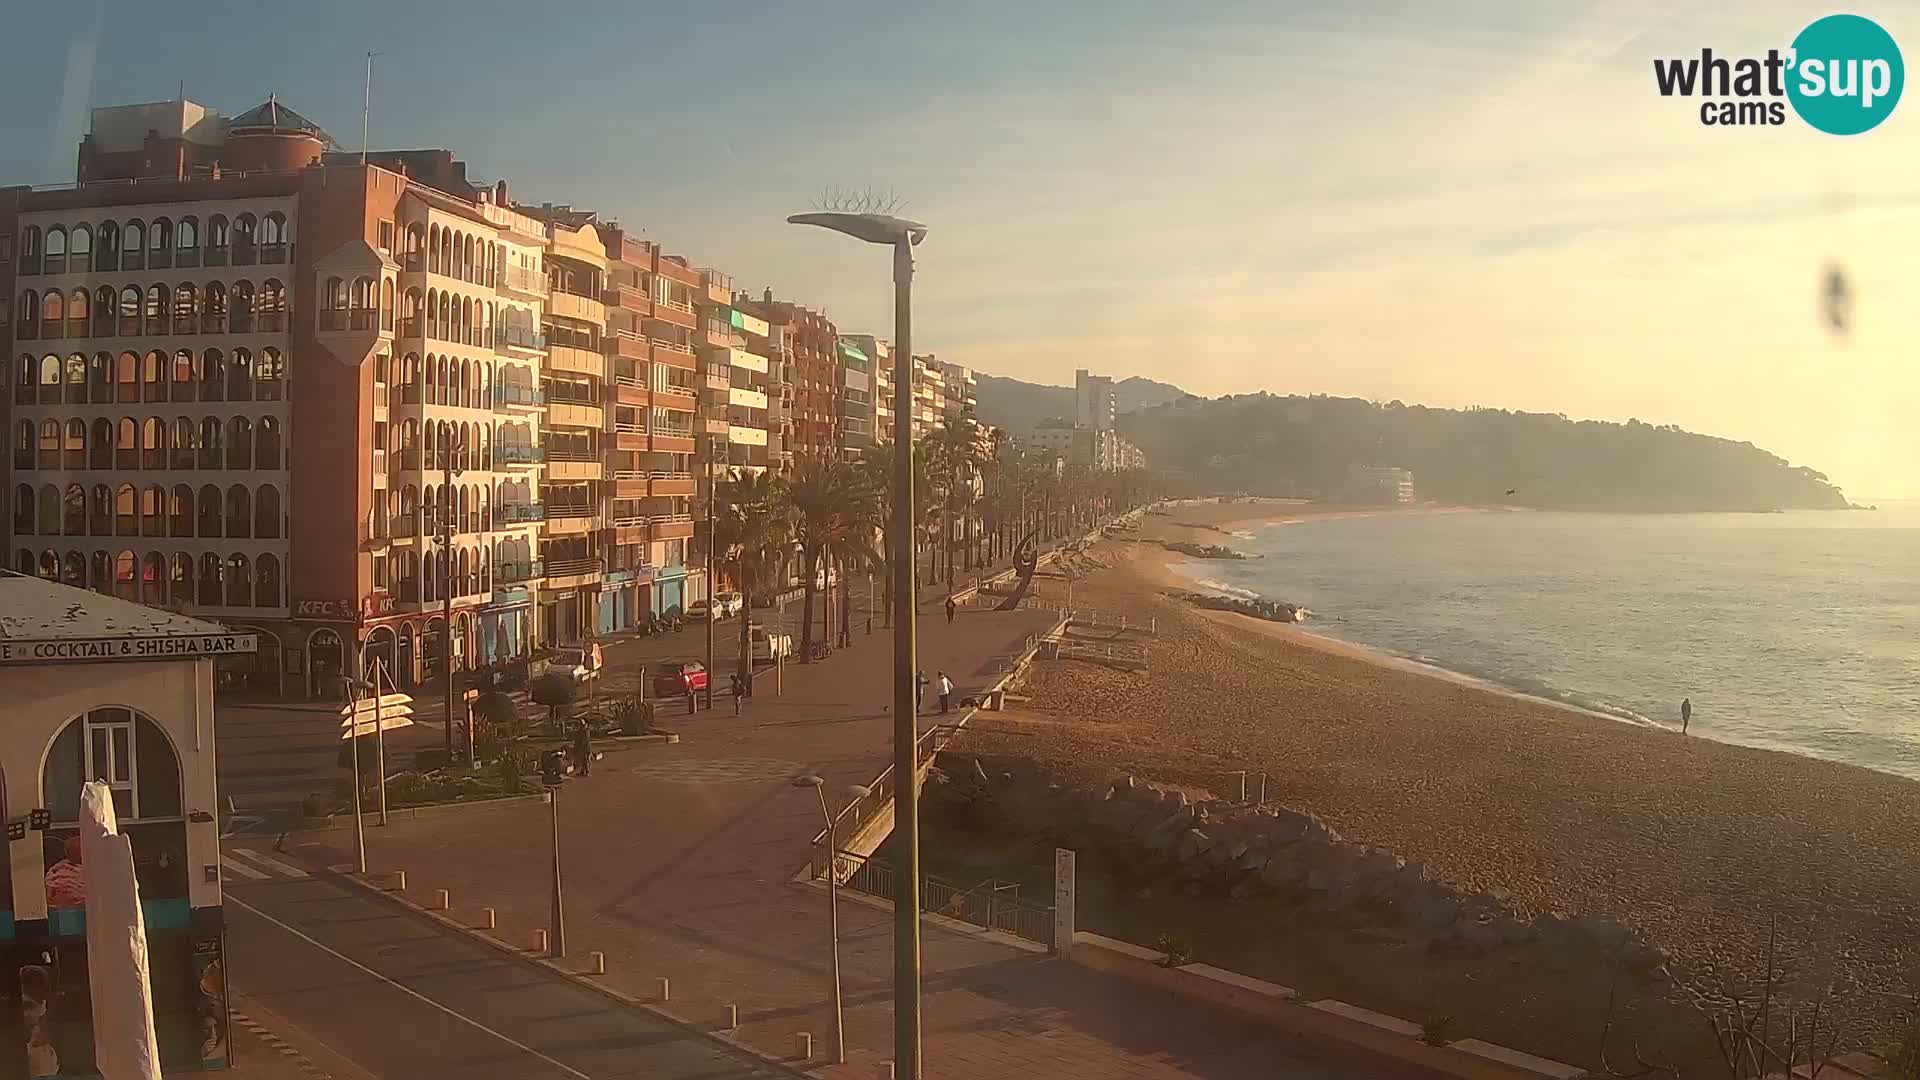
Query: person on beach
{"x":946,"y":692}
{"x":1686,"y":714}
{"x":919,"y":688}
{"x":951,"y":608}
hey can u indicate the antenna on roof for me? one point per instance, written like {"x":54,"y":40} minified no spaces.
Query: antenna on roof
{"x":366,"y":108}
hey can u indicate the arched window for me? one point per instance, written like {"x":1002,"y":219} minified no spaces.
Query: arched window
{"x":266,"y":582}
{"x":207,"y":521}
{"x":79,"y":313}
{"x":74,"y":511}
{"x":212,"y":442}
{"x":153,"y":376}
{"x":130,"y":753}
{"x":130,"y":306}
{"x":74,"y":375}
{"x":239,"y":444}
{"x":153,"y":443}
{"x":386,"y":304}
{"x":213,"y":580}
{"x":159,"y":307}
{"x":101,"y":455}
{"x":239,"y":581}
{"x":53,"y":314}
{"x":239,"y":512}
{"x":153,"y":579}
{"x":244,"y":252}
{"x":153,"y":511}
{"x":272,"y":315}
{"x":74,"y":445}
{"x":217,"y":240}
{"x":133,"y":246}
{"x":126,"y":581}
{"x":23,"y":499}
{"x":126,"y":511}
{"x":186,"y":309}
{"x":239,"y":376}
{"x":364,"y":300}
{"x":186,"y":444}
{"x":25,"y":370}
{"x":241,"y":317}
{"x":180,"y":520}
{"x":213,"y":314}
{"x":180,"y":584}
{"x":126,"y":378}
{"x":333,"y":304}
{"x":266,"y":512}
{"x":100,"y":379}
{"x":56,"y":261}
{"x":100,"y":511}
{"x":433,"y":249}
{"x":266,"y":444}
{"x":126,"y":444}
{"x":73,"y":570}
{"x":186,"y":242}
{"x":212,"y":375}
{"x":106,"y":248}
{"x":273,"y":238}
{"x":159,"y":244}
{"x":50,"y":510}
{"x":50,"y":431}
{"x":100,"y":573}
{"x":29,"y":315}
{"x":270,"y":375}
{"x":105,"y":303}
{"x":80,"y":250}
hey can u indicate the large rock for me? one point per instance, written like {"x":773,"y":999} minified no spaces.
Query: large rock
{"x":1193,"y":844}
{"x":1602,"y":931}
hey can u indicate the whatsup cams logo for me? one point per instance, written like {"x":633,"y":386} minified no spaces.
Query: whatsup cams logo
{"x":1842,"y":74}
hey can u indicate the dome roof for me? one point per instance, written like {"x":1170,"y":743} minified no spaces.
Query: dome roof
{"x":271,"y":116}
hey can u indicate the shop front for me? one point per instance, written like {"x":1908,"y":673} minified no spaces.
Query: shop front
{"x":105,"y":689}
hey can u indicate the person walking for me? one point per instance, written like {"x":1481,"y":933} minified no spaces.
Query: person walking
{"x":739,"y":691}
{"x":1686,"y":714}
{"x":951,"y":608}
{"x":946,"y":692}
{"x":687,"y":681}
{"x":919,"y":688}
{"x":582,"y":748}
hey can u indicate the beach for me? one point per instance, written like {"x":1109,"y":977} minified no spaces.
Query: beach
{"x":1698,"y":845}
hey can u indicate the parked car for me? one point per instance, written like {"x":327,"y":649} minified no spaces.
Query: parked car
{"x":581,"y":663}
{"x":698,"y":612}
{"x":729,"y":604}
{"x":675,"y":678}
{"x":769,"y":643}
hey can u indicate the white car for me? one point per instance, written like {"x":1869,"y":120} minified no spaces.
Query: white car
{"x":769,"y":643}
{"x":581,"y":664}
{"x":726,"y":605}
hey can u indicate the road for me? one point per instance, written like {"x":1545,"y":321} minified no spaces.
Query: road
{"x":405,"y":999}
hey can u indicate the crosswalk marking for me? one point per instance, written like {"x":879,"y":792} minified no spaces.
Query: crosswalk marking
{"x":269,"y":862}
{"x":235,"y":866}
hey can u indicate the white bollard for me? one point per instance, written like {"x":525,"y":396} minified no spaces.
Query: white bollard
{"x":599,"y":961}
{"x":486,"y":918}
{"x":441,"y":900}
{"x":733,"y":1018}
{"x":802,"y":1046}
{"x":399,"y":881}
{"x":540,"y":941}
{"x":886,"y":1070}
{"x":666,"y":989}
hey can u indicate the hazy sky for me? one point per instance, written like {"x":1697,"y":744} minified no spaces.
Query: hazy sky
{"x":1452,"y":204}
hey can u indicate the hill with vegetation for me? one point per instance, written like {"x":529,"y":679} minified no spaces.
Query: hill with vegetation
{"x":1306,"y":446}
{"x":1017,"y":405}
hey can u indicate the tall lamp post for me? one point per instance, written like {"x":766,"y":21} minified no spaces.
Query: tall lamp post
{"x":713,"y":522}
{"x":819,"y":787}
{"x":443,"y":536}
{"x":901,"y":235}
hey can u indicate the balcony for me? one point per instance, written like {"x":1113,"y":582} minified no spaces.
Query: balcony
{"x":574,"y":306}
{"x":673,"y":355}
{"x":578,"y":361}
{"x":716,"y":337}
{"x":573,"y":468}
{"x":716,"y":426}
{"x":667,"y":267}
{"x":519,"y":513}
{"x":513,"y":455}
{"x":517,"y":571}
{"x":565,"y":412}
{"x":629,"y":298}
{"x":507,"y":339}
{"x":512,"y":395}
{"x":674,"y":313}
{"x":674,"y":396}
{"x":627,"y":345}
{"x":716,"y":380}
{"x":525,"y":281}
{"x":571,"y":573}
{"x":673,"y":526}
{"x":630,"y":392}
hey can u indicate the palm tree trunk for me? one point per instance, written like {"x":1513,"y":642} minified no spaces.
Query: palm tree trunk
{"x":809,"y":561}
{"x":746,"y":632}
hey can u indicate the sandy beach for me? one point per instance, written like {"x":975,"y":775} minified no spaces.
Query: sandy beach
{"x":1695,"y":844}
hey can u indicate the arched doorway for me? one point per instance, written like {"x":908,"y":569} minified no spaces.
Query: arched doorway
{"x":463,"y":650}
{"x":261,"y":671}
{"x":403,"y":662}
{"x":380,"y":646}
{"x":326,"y":659}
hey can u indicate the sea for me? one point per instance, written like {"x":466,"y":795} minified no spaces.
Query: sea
{"x":1795,"y":631}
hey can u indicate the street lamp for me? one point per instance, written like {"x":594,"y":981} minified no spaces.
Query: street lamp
{"x":901,"y":235}
{"x":855,"y":791}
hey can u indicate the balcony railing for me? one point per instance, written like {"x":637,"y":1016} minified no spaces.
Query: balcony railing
{"x":518,"y":455}
{"x":517,"y":571}
{"x":403,"y":525}
{"x":522,"y":512}
{"x":673,"y":519}
{"x":511,"y":394}
{"x":522,"y":279}
{"x":570,"y":510}
{"x":565,"y":567}
{"x":628,"y":427}
{"x":662,"y":345}
{"x":628,"y":521}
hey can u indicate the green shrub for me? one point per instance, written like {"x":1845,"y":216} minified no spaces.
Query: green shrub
{"x":1179,"y":951}
{"x":1437,"y":1030}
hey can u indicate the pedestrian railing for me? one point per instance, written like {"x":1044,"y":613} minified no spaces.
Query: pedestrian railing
{"x":990,"y":905}
{"x":1116,"y":653}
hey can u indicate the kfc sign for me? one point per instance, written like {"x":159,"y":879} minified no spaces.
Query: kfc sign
{"x":325,"y":610}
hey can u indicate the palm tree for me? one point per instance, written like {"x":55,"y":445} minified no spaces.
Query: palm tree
{"x":752,"y":534}
{"x":958,"y":457}
{"x":876,"y":466}
{"x":833,"y":515}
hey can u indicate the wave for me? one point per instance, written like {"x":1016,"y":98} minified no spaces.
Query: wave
{"x":1226,"y":589}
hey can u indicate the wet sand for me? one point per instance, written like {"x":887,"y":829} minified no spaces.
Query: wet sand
{"x":1694,"y":843}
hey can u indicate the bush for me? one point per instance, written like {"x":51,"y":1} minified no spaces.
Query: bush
{"x":1179,"y":951}
{"x":1437,"y":1030}
{"x":318,"y":806}
{"x":429,"y":760}
{"x":1904,"y":1064}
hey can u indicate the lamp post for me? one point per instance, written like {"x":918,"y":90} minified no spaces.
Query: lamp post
{"x":819,"y":787}
{"x":444,"y":537}
{"x":713,"y":519}
{"x":901,"y":235}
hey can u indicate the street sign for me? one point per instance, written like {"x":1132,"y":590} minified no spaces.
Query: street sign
{"x":365,"y":727}
{"x":365,"y":716}
{"x":366,"y":705}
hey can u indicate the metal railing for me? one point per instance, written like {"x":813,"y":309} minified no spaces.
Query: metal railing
{"x":517,"y":512}
{"x":514,"y":394}
{"x":564,"y":567}
{"x":991,"y":905}
{"x":517,"y":571}
{"x":518,"y":455}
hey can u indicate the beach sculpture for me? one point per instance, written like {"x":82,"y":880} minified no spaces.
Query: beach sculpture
{"x":1026,"y":557}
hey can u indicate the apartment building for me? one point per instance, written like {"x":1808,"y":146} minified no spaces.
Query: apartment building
{"x":959,"y":389}
{"x":878,"y":413}
{"x":805,"y":345}
{"x":855,"y":401}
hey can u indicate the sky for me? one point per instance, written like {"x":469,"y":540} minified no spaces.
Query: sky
{"x":1452,"y":204}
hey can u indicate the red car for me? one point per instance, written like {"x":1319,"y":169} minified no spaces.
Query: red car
{"x":675,"y":679}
